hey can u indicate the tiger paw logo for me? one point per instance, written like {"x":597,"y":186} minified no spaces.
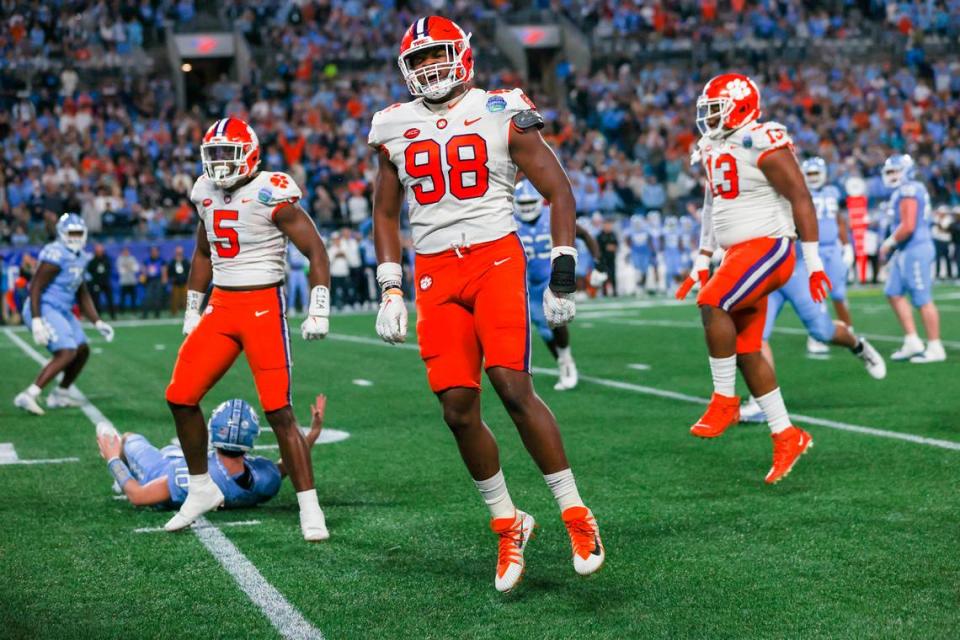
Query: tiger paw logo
{"x":279,"y":180}
{"x":425,"y":283}
{"x":738,"y":89}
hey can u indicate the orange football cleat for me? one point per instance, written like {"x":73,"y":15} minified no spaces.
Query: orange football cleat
{"x":788,"y":446}
{"x":588,"y":551}
{"x":722,"y":413}
{"x":514,"y":534}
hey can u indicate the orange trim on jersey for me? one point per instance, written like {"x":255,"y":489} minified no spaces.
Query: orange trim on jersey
{"x":273,"y":214}
{"x":788,"y":145}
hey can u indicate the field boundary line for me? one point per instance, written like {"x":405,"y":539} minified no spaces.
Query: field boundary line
{"x":284,"y":617}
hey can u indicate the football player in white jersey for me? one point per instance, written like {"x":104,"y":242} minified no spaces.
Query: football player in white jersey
{"x":453,"y":154}
{"x":246,"y":218}
{"x":755,"y":203}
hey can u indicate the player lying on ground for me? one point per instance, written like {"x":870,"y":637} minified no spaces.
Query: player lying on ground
{"x":452,"y":154}
{"x":533,"y":218}
{"x":911,"y":253}
{"x":836,"y":251}
{"x":151,"y":477}
{"x":755,"y":203}
{"x":55,"y":287}
{"x":246,"y":218}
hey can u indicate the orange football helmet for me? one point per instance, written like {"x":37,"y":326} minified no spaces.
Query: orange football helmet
{"x":729,"y":101}
{"x":434,"y":81}
{"x":230,"y":151}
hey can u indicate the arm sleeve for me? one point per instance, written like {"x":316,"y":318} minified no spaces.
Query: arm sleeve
{"x":708,"y":240}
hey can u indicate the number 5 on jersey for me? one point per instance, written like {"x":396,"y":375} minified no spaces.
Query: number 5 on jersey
{"x":228,"y":241}
{"x":466,"y":156}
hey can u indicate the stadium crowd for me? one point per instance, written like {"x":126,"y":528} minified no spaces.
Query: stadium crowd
{"x":114,"y":146}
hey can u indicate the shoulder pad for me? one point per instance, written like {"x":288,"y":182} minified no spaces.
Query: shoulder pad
{"x":278,"y":187}
{"x":908,"y":190}
{"x":527,"y":119}
{"x":51,"y":253}
{"x":767,"y":135}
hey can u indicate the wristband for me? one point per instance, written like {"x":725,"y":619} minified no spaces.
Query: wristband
{"x":194,"y":300}
{"x":119,"y":470}
{"x":811,"y":256}
{"x":701,"y":262}
{"x":319,"y":302}
{"x":389,"y":275}
{"x":890,"y":242}
{"x":563,"y":274}
{"x":556,"y":252}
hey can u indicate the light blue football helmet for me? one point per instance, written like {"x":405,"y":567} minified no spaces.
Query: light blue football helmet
{"x":896,"y":169}
{"x":527,"y":201}
{"x":815,"y":172}
{"x":72,"y":232}
{"x":234,"y":426}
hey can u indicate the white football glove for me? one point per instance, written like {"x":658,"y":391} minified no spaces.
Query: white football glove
{"x":42,"y":332}
{"x":558,"y":308}
{"x":105,"y":330}
{"x":317,"y":323}
{"x":848,"y":257}
{"x":598,"y":279}
{"x":392,"y":317}
{"x":191,"y":317}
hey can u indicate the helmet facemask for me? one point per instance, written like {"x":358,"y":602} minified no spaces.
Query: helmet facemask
{"x":225,"y":162}
{"x":435,"y":80}
{"x":528,"y":210}
{"x":815,"y":178}
{"x":72,"y":232}
{"x":711,"y":115}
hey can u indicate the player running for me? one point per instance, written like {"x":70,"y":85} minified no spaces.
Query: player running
{"x":452,"y":154}
{"x":836,"y":251}
{"x":533,"y":219}
{"x":911,"y":268}
{"x":56,"y":286}
{"x":246,"y":217}
{"x":755,"y":202}
{"x":148,"y":476}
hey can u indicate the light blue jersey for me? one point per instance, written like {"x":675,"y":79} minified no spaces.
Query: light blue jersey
{"x":641,"y":253}
{"x":911,"y":267}
{"x":537,"y":242}
{"x":921,"y":236}
{"x":672,"y":259}
{"x":147,"y":463}
{"x":62,"y":290}
{"x":827,"y":202}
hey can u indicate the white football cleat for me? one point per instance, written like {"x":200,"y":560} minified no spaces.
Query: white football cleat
{"x":588,"y":551}
{"x":314,"y":525}
{"x":28,"y":403}
{"x":61,"y":398}
{"x":933,"y":353}
{"x":909,"y":349}
{"x":816,"y":348}
{"x":199,"y":501}
{"x":568,"y":375}
{"x":750,"y":411}
{"x":514,"y":535}
{"x":872,"y":360}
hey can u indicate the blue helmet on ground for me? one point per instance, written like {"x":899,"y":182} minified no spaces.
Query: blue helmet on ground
{"x":896,"y":169}
{"x":815,"y":172}
{"x":234,"y":426}
{"x":72,"y":232}
{"x":527,"y":201}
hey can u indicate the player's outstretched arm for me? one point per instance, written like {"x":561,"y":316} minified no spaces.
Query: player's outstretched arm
{"x":783,"y":172}
{"x":198,"y":280}
{"x":908,"y":222}
{"x":302,"y":232}
{"x":598,"y":276}
{"x":537,"y":160}
{"x":708,"y":244}
{"x":46,"y":272}
{"x":89,"y":309}
{"x":317,"y":411}
{"x":387,"y":198}
{"x":140,"y":495}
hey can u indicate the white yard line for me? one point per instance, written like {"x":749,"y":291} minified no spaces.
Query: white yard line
{"x":238,"y":523}
{"x":282,"y":615}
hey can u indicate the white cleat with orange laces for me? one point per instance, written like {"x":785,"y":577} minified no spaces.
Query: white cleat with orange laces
{"x":514,"y":535}
{"x":588,"y":551}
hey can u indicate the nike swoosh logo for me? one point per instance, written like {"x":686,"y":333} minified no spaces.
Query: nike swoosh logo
{"x":497,"y":263}
{"x":260,"y":313}
{"x":596,"y":546}
{"x":245,"y":200}
{"x":470,"y":122}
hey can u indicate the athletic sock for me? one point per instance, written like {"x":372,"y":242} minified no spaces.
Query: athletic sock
{"x":724,"y":372}
{"x":775,"y":410}
{"x":33,"y":391}
{"x":308,"y":500}
{"x":564,"y":489}
{"x":935,"y":344}
{"x":494,"y":492}
{"x":857,"y":349}
{"x":200,"y":481}
{"x":564,"y":354}
{"x":912,"y":339}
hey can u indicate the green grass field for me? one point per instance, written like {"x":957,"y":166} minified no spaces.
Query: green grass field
{"x":859,"y":542}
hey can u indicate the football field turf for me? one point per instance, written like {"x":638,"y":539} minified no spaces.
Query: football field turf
{"x":860,"y":541}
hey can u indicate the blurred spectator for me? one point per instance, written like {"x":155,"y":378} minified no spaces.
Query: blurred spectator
{"x":298,"y":290}
{"x":339,"y":273}
{"x":608,"y":241}
{"x":178,"y":269}
{"x":128,"y":271}
{"x":351,"y":247}
{"x":154,"y":279}
{"x":100,"y":272}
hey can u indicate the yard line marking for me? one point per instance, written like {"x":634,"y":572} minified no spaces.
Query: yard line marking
{"x":639,"y":366}
{"x":360,"y":382}
{"x":238,"y":523}
{"x":8,"y":456}
{"x":832,"y":424}
{"x":285,"y":619}
{"x":282,"y":615}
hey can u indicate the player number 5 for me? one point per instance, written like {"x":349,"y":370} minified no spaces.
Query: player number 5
{"x":228,"y":242}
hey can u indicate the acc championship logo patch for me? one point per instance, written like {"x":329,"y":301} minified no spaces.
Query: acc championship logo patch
{"x":425,"y":282}
{"x":747,"y":142}
{"x":496,"y":103}
{"x":265,"y":196}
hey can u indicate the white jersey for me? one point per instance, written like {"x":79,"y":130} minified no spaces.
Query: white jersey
{"x":454,"y":165}
{"x":246,"y":247}
{"x":740,"y":202}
